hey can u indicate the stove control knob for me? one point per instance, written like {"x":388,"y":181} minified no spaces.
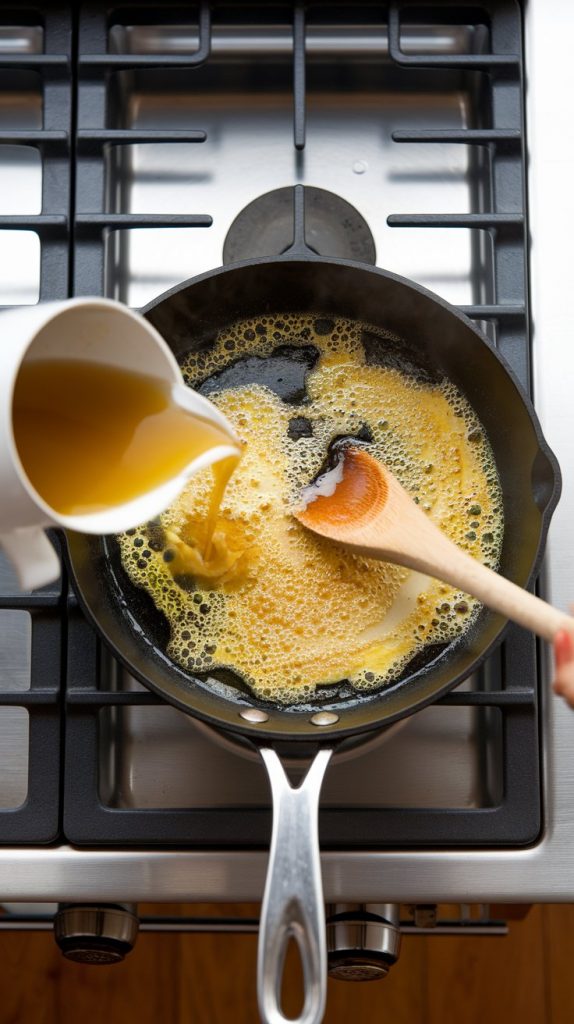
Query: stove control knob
{"x":96,"y":933}
{"x":354,"y":968}
{"x":363,"y":940}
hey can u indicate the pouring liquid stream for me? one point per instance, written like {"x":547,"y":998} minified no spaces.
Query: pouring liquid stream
{"x":91,"y":436}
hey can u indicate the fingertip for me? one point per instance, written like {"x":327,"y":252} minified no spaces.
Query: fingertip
{"x":563,"y":647}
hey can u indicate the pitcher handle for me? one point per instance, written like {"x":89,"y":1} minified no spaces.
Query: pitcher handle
{"x":293,"y":905}
{"x":32,"y":555}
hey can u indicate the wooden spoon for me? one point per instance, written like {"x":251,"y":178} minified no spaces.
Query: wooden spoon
{"x":361,"y":505}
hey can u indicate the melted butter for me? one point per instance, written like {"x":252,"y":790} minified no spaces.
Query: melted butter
{"x":92,"y":436}
{"x":284,"y":609}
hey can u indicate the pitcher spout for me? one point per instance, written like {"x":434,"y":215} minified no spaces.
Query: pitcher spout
{"x":194,"y":403}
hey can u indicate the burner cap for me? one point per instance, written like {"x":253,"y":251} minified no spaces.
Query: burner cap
{"x":332,"y":228}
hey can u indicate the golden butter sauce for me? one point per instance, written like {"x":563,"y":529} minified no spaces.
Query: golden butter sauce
{"x":288,"y":612}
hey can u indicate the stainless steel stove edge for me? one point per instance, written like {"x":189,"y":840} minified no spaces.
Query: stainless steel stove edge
{"x":545,"y":871}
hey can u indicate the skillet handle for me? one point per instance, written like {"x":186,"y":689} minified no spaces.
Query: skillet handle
{"x":293,"y":905}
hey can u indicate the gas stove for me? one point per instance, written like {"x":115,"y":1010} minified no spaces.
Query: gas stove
{"x":144,"y":146}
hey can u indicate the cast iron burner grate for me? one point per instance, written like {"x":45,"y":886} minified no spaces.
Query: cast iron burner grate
{"x":332,"y":228}
{"x":492,"y":59}
{"x":29,"y":70}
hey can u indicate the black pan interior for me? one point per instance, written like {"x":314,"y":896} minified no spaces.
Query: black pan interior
{"x":432,"y":338}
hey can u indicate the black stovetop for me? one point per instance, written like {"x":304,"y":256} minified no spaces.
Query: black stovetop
{"x":84,"y":86}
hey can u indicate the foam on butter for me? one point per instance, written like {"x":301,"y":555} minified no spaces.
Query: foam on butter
{"x":287,"y":610}
{"x":324,"y":486}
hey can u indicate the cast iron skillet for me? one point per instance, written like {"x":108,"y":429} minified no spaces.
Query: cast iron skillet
{"x":440,"y":342}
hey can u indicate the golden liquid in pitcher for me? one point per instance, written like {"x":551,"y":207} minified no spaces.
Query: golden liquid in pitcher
{"x":92,"y":436}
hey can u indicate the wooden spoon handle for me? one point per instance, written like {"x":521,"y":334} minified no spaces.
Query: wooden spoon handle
{"x":462,"y":571}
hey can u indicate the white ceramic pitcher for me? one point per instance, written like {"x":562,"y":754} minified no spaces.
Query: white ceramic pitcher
{"x":98,"y":331}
